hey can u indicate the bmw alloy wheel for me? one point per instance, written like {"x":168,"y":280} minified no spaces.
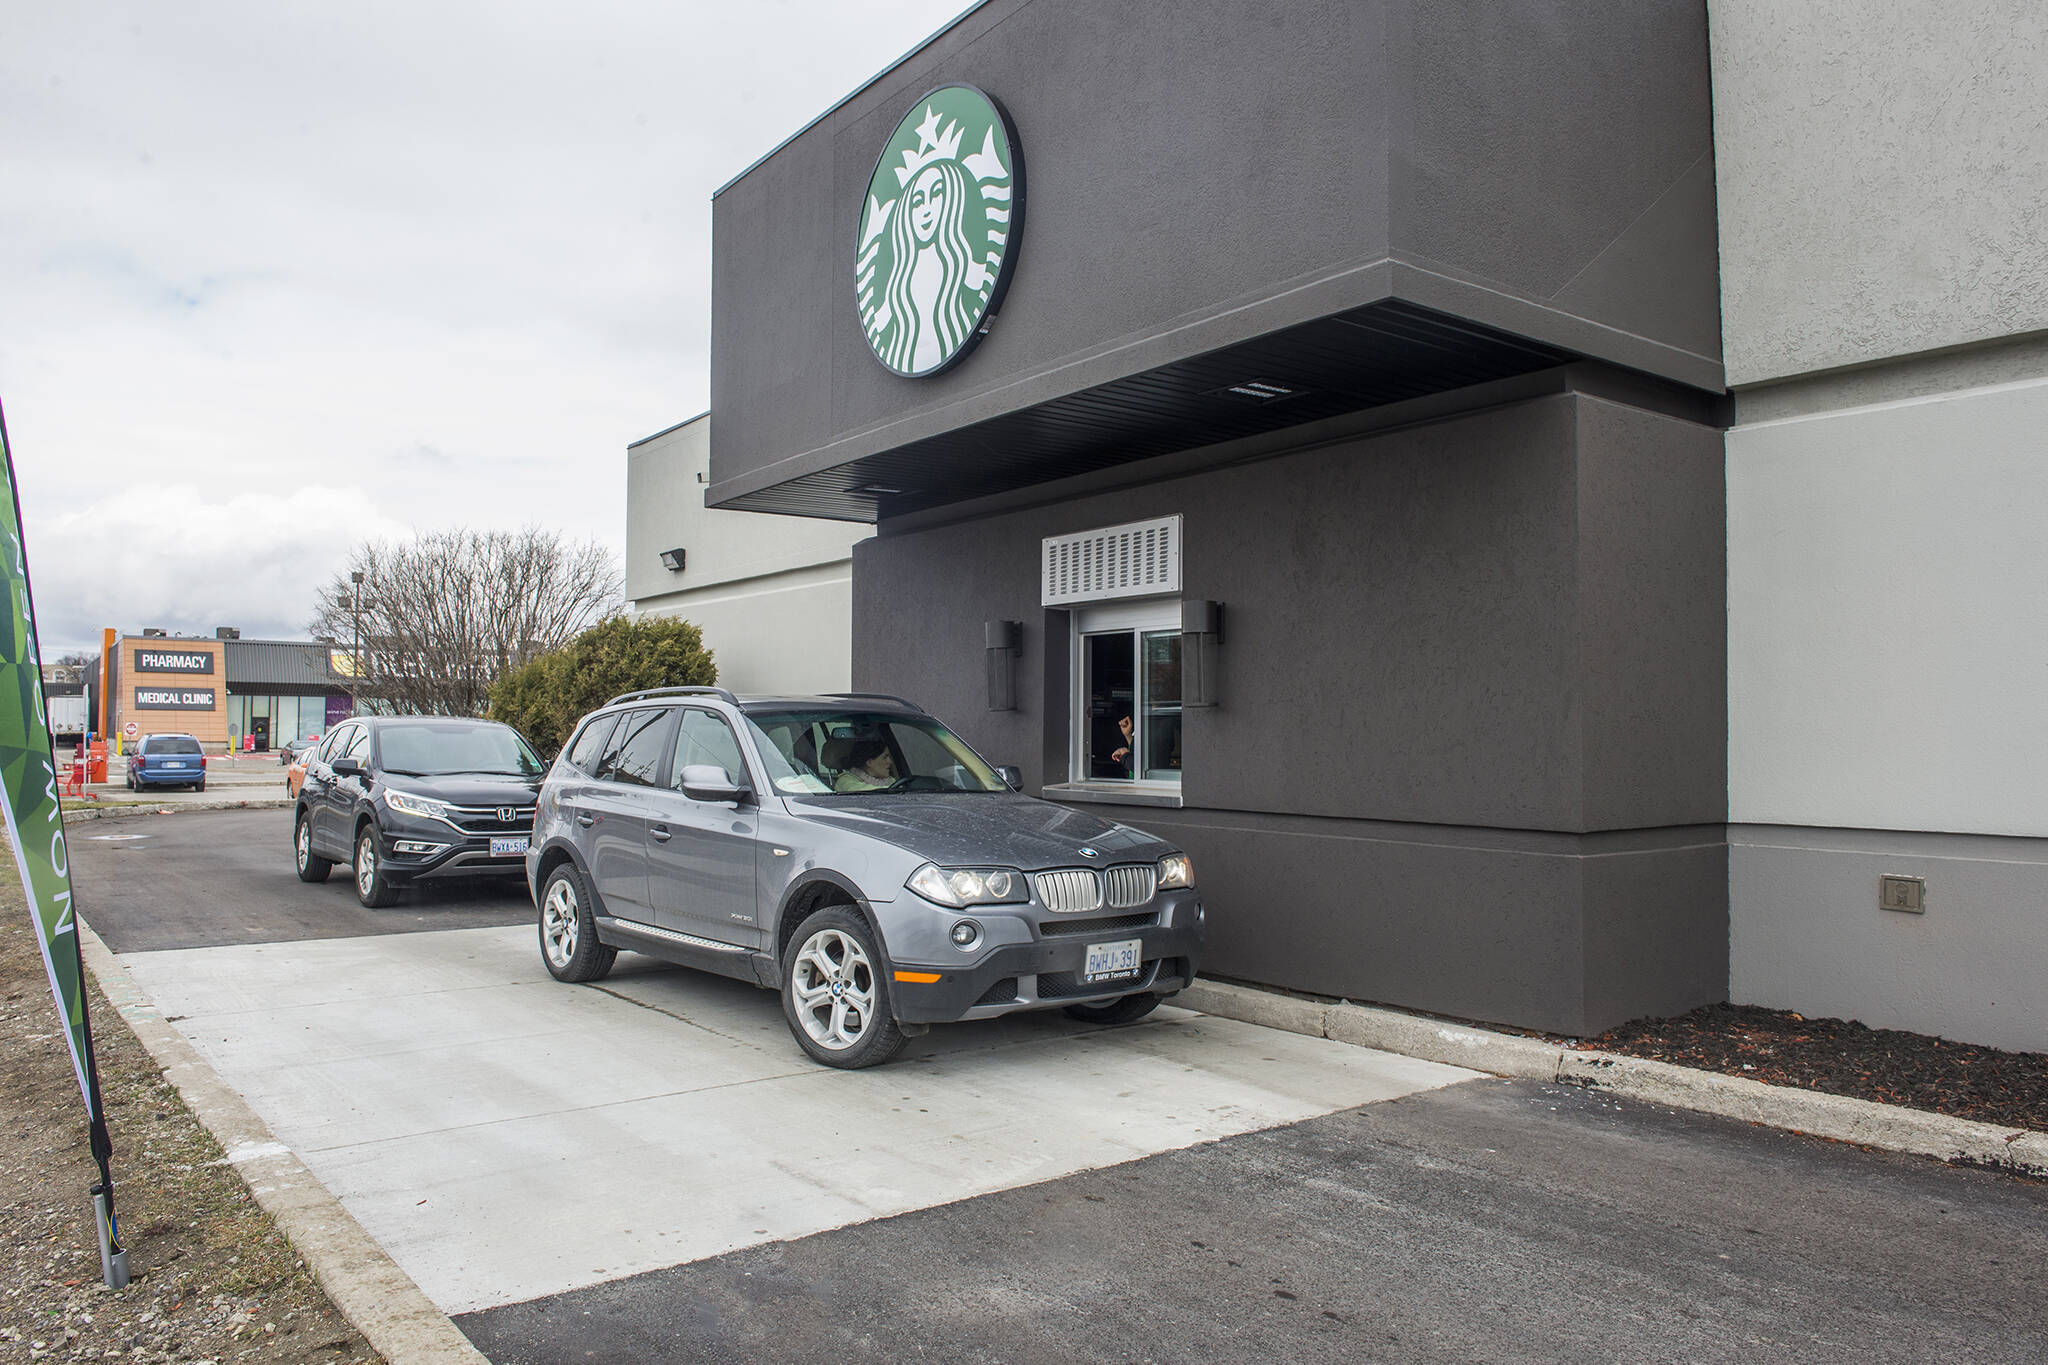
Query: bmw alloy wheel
{"x":559,"y":924}
{"x":833,"y":986}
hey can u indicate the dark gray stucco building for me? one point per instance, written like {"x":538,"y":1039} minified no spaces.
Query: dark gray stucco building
{"x":1349,"y":425}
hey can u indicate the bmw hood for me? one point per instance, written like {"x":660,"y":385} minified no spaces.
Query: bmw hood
{"x":971,"y":830}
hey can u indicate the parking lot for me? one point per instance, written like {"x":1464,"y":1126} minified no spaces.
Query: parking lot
{"x":649,"y":1169}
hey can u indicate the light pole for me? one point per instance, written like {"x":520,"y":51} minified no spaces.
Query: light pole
{"x":356,"y":612}
{"x":353,"y":600}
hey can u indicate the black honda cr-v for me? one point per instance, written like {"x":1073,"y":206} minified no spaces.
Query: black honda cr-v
{"x":400,"y":798}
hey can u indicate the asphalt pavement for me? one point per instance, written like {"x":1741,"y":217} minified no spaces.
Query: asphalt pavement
{"x":1491,"y":1221}
{"x":205,"y":878}
{"x":647,"y":1170}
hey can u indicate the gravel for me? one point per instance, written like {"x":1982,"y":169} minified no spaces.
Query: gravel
{"x":212,"y":1280}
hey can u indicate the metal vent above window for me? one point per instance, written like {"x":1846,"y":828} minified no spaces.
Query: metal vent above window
{"x":1140,"y":559}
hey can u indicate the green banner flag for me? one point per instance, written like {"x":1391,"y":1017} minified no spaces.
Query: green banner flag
{"x":35,"y":827}
{"x":28,"y":785}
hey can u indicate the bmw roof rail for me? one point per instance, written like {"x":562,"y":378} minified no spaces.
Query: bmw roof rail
{"x":877,"y":696}
{"x":718,"y":692}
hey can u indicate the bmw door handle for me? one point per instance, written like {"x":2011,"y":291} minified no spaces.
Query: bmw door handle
{"x":660,"y":833}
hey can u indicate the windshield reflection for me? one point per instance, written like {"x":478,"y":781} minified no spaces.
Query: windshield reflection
{"x":860,"y":753}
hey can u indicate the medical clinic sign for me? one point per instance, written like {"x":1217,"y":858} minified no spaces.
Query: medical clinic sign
{"x":174,"y":698}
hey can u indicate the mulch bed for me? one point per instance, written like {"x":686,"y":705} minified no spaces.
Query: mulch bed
{"x":1843,"y":1057}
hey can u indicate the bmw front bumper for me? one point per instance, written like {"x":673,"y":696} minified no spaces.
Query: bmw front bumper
{"x":1048,"y":973}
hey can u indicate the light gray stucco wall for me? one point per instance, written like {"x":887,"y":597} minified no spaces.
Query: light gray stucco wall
{"x":1883,"y":178}
{"x":1807,"y":933}
{"x":1883,"y":198}
{"x":1887,"y":585}
{"x":772,"y":594}
{"x":1887,"y":589}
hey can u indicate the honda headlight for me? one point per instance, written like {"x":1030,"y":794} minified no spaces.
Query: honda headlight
{"x":958,"y":886}
{"x":1175,"y":871}
{"x":408,"y":804}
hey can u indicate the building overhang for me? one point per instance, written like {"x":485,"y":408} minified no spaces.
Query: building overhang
{"x":1367,"y":357}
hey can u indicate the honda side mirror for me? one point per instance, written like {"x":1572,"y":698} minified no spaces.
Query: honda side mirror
{"x":1012,"y":775}
{"x":346,"y":767}
{"x":708,"y":782}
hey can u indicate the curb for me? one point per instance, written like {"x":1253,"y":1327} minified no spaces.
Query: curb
{"x":364,"y":1283}
{"x":97,"y":812}
{"x":1962,"y":1142}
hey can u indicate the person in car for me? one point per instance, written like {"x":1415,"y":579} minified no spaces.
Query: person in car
{"x":869,"y":767}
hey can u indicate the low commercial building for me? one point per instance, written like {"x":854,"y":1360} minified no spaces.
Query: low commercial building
{"x":227,"y":692}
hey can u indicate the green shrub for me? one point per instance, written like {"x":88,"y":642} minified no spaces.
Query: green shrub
{"x":544,"y":699}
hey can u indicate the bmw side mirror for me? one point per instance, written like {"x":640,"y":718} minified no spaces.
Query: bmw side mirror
{"x":1012,"y":775}
{"x":708,"y":782}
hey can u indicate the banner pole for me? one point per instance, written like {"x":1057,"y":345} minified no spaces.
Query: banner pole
{"x":34,"y":745}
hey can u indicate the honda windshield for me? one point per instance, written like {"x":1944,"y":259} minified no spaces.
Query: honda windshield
{"x":430,"y":750}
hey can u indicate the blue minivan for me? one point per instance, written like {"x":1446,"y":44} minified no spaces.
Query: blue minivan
{"x":167,"y":761}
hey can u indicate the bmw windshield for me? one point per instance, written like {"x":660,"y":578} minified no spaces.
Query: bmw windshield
{"x":816,"y":752}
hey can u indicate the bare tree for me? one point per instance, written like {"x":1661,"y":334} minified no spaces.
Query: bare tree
{"x":432,"y":622}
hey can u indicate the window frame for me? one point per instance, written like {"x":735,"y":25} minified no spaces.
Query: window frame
{"x":1136,"y":617}
{"x":609,"y":722}
{"x":665,"y":720}
{"x":675,"y":773}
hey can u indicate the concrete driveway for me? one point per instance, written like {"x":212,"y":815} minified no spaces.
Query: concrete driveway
{"x":649,"y":1171}
{"x":506,"y":1137}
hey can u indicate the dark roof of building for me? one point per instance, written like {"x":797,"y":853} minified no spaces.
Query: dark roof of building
{"x":279,"y":663}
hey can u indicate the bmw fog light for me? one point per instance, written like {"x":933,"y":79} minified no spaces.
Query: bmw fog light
{"x":966,"y":934}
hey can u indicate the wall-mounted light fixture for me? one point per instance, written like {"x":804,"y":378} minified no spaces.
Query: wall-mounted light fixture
{"x":1201,"y":630}
{"x":1004,"y":641}
{"x":672,"y":560}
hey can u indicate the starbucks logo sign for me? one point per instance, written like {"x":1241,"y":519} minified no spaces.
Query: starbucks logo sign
{"x":938,"y":233}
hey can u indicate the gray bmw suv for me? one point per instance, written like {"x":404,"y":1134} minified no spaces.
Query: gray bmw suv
{"x":852,"y":853}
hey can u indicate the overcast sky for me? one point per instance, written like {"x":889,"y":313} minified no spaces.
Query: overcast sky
{"x":276,"y":278}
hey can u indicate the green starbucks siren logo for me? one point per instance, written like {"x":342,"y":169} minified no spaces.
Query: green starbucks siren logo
{"x":938,"y":233}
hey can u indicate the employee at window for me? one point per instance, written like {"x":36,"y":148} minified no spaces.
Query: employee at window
{"x":1123,"y":757}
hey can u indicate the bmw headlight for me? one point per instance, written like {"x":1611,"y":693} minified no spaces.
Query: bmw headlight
{"x":408,"y":804}
{"x":1175,"y":870}
{"x":958,"y":886}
